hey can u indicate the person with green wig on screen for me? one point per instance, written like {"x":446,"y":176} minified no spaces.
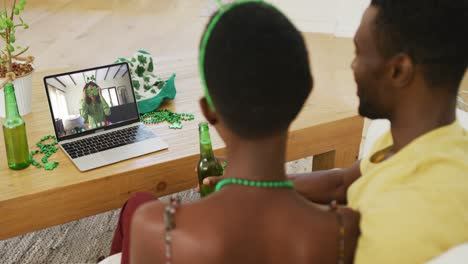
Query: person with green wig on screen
{"x":94,"y":108}
{"x":254,"y":216}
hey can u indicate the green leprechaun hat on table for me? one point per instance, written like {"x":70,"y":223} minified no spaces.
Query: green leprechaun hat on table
{"x":150,"y":89}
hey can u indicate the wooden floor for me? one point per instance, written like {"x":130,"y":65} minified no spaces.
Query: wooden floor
{"x":68,"y":33}
{"x":85,"y":33}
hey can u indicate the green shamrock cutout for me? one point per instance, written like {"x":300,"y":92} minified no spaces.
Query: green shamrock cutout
{"x":176,"y":125}
{"x":93,"y":91}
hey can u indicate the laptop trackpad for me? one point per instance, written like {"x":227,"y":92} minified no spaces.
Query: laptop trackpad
{"x":90,"y":161}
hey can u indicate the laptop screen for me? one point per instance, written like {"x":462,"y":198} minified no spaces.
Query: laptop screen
{"x":84,"y":101}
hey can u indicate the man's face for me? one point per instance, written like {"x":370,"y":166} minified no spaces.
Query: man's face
{"x":369,"y":67}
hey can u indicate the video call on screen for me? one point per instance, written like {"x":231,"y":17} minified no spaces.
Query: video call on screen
{"x":91,"y":99}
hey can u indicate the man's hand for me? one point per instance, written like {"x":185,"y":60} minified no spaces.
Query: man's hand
{"x":212,"y":181}
{"x":325,"y":186}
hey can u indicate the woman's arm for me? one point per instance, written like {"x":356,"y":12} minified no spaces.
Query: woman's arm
{"x":147,"y":234}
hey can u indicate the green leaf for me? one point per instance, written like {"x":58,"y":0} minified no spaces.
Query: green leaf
{"x":11,"y":48}
{"x":3,"y":25}
{"x":22,"y":3}
{"x":26,"y":26}
{"x":9,"y":22}
{"x":136,"y":84}
{"x":12,"y":39}
{"x":16,"y":11}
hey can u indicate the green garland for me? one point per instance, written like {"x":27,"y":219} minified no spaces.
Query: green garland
{"x":165,"y":115}
{"x":47,"y":150}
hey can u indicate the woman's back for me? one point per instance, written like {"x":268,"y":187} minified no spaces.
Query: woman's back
{"x":255,"y":72}
{"x":246,"y":225}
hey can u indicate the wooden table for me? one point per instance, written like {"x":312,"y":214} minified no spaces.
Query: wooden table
{"x":328,"y":127}
{"x":33,"y":198}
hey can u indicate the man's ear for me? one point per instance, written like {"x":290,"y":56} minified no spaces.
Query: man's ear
{"x":209,"y":114}
{"x":403,"y":70}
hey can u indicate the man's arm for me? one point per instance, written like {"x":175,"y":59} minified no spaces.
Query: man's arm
{"x":326,"y":186}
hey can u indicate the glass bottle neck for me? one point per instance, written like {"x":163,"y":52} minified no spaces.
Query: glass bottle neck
{"x":11,"y":107}
{"x":206,"y":150}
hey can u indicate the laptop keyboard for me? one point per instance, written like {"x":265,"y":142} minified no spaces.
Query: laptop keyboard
{"x":102,"y":142}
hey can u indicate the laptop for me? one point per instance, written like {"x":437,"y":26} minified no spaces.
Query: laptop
{"x":95,"y":116}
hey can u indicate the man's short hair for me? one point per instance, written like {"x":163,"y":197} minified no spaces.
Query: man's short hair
{"x":434,"y":33}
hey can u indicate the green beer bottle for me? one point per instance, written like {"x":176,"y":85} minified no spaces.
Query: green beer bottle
{"x":208,"y":164}
{"x":14,"y":132}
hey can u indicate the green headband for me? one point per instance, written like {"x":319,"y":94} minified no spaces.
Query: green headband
{"x":223,"y":9}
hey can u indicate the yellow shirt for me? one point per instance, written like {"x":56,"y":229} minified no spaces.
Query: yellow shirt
{"x":414,"y":205}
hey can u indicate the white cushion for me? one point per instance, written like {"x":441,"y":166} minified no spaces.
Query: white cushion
{"x":462,"y":116}
{"x":375,"y":130}
{"x":114,"y":259}
{"x":456,"y":255}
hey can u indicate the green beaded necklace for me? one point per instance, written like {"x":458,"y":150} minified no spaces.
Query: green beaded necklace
{"x":261,"y":184}
{"x":165,"y":115}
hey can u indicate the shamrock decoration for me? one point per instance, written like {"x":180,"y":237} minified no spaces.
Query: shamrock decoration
{"x":51,"y":165}
{"x":92,"y":91}
{"x":48,"y":149}
{"x":146,"y":83}
{"x":177,"y":125}
{"x":142,"y":59}
{"x":91,"y":78}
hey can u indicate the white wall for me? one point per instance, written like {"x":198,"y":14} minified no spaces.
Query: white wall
{"x":338,"y":17}
{"x":349,"y":16}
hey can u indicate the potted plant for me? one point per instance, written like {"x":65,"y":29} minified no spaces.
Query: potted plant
{"x":14,"y":66}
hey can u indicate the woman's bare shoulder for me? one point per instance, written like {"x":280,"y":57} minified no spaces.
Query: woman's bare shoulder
{"x":149,"y":216}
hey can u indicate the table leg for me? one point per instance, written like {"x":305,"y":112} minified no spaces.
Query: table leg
{"x":339,"y":158}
